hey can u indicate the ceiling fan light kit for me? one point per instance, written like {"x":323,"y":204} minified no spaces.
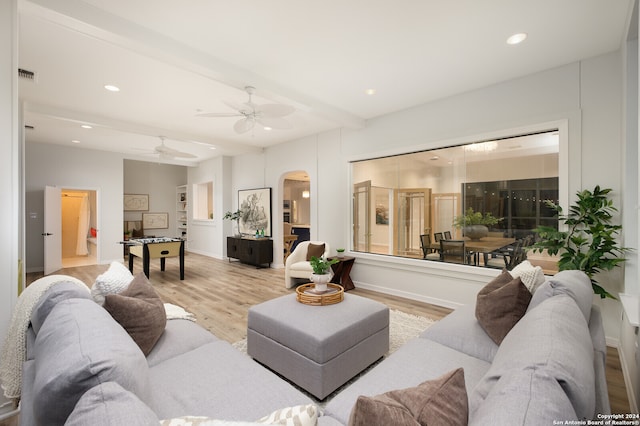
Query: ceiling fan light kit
{"x":267,"y":115}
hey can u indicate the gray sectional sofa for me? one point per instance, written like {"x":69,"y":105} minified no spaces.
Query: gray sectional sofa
{"x":83,"y":368}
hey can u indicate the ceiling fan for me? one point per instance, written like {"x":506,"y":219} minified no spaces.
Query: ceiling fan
{"x":163,"y":151}
{"x":266,"y":115}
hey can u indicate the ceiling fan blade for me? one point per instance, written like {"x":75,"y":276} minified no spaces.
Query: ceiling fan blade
{"x":219,"y":114}
{"x":180,"y":154}
{"x":241,"y":108}
{"x":165,"y":151}
{"x":275,"y":110}
{"x":275,"y":123}
{"x":244,"y":125}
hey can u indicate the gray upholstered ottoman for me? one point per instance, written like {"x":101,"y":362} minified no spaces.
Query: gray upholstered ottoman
{"x":319,"y":348}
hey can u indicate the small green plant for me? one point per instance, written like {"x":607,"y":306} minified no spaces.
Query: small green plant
{"x":589,"y":244}
{"x":475,"y":218}
{"x":320,"y":265}
{"x":340,"y":250}
{"x":234,"y":216}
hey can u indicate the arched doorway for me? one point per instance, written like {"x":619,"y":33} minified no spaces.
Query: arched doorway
{"x":296,"y":209}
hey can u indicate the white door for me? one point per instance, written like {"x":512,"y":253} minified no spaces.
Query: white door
{"x":52,"y":230}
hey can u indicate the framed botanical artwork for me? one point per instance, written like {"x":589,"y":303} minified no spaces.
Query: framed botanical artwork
{"x":155,"y":221}
{"x":136,"y":202}
{"x":255,"y":211}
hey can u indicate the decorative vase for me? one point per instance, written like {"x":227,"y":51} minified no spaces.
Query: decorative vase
{"x":340,"y":254}
{"x":320,"y":281}
{"x":475,"y":232}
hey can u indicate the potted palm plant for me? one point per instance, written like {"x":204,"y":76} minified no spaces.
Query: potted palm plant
{"x":475,"y":224}
{"x":589,"y":243}
{"x":321,"y":272}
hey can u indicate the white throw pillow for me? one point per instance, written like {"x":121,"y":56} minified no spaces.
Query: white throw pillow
{"x":115,"y":280}
{"x":299,"y":415}
{"x":531,"y":276}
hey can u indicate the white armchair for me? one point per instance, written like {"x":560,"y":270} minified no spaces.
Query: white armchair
{"x":297,"y":265}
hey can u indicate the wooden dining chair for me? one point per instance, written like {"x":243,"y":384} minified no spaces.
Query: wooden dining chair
{"x":427,"y":251}
{"x":437,"y":236}
{"x":447,"y":235}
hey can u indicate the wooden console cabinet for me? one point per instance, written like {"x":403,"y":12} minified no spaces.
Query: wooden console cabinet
{"x":252,"y":251}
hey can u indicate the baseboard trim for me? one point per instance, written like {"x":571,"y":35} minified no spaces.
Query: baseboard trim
{"x":409,"y":295}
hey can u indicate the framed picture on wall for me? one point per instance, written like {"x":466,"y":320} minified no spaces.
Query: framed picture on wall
{"x":255,"y":209}
{"x":155,"y":220}
{"x":136,"y":202}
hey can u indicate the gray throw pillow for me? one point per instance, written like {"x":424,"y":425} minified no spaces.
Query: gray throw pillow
{"x":501,"y":304}
{"x":140,"y":311}
{"x":442,"y":401}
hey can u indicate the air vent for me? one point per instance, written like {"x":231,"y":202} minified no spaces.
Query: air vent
{"x":26,"y":74}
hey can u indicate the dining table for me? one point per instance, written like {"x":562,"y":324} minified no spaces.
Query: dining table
{"x":483,"y":246}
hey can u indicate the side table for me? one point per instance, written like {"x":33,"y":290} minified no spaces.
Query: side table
{"x":342,"y":271}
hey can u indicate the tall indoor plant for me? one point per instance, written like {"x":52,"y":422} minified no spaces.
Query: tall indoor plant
{"x":589,"y":243}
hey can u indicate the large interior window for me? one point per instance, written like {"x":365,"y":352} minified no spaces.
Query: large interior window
{"x":403,"y":205}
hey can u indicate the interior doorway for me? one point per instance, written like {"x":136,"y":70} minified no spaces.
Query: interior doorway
{"x":296,"y":209}
{"x":79,"y":227}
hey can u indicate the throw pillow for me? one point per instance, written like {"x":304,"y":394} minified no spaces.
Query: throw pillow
{"x":115,"y":280}
{"x":532,"y":276}
{"x":501,"y":304}
{"x":140,"y":311}
{"x":442,"y":401}
{"x":299,"y":415}
{"x":315,"y":250}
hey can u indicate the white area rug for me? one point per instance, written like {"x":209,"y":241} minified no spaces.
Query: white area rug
{"x":402,"y":327}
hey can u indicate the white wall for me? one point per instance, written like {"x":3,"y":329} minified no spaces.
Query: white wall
{"x":10,"y":178}
{"x":586,"y":95}
{"x":159,"y":181}
{"x":70,"y":167}
{"x":209,"y":237}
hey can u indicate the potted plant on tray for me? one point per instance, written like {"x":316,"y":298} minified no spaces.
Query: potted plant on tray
{"x":321,"y":272}
{"x":589,"y":244}
{"x":475,"y":224}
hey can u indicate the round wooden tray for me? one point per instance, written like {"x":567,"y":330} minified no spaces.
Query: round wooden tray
{"x":319,"y":299}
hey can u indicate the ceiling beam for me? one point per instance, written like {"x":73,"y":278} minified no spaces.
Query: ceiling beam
{"x":89,"y":20}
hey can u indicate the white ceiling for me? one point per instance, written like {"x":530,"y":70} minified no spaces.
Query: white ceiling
{"x":172,"y":60}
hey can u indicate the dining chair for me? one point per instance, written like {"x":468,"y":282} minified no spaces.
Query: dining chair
{"x":437,"y":236}
{"x":447,"y":235}
{"x":427,"y":251}
{"x":454,"y":251}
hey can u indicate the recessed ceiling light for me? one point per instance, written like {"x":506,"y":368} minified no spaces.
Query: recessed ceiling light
{"x":517,"y":38}
{"x":112,"y":88}
{"x":86,"y":126}
{"x":212,"y":147}
{"x":267,"y":128}
{"x":75,"y":141}
{"x":434,"y":158}
{"x":370,"y":92}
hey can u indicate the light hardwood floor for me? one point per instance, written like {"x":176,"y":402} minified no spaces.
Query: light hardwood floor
{"x":220,"y":293}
